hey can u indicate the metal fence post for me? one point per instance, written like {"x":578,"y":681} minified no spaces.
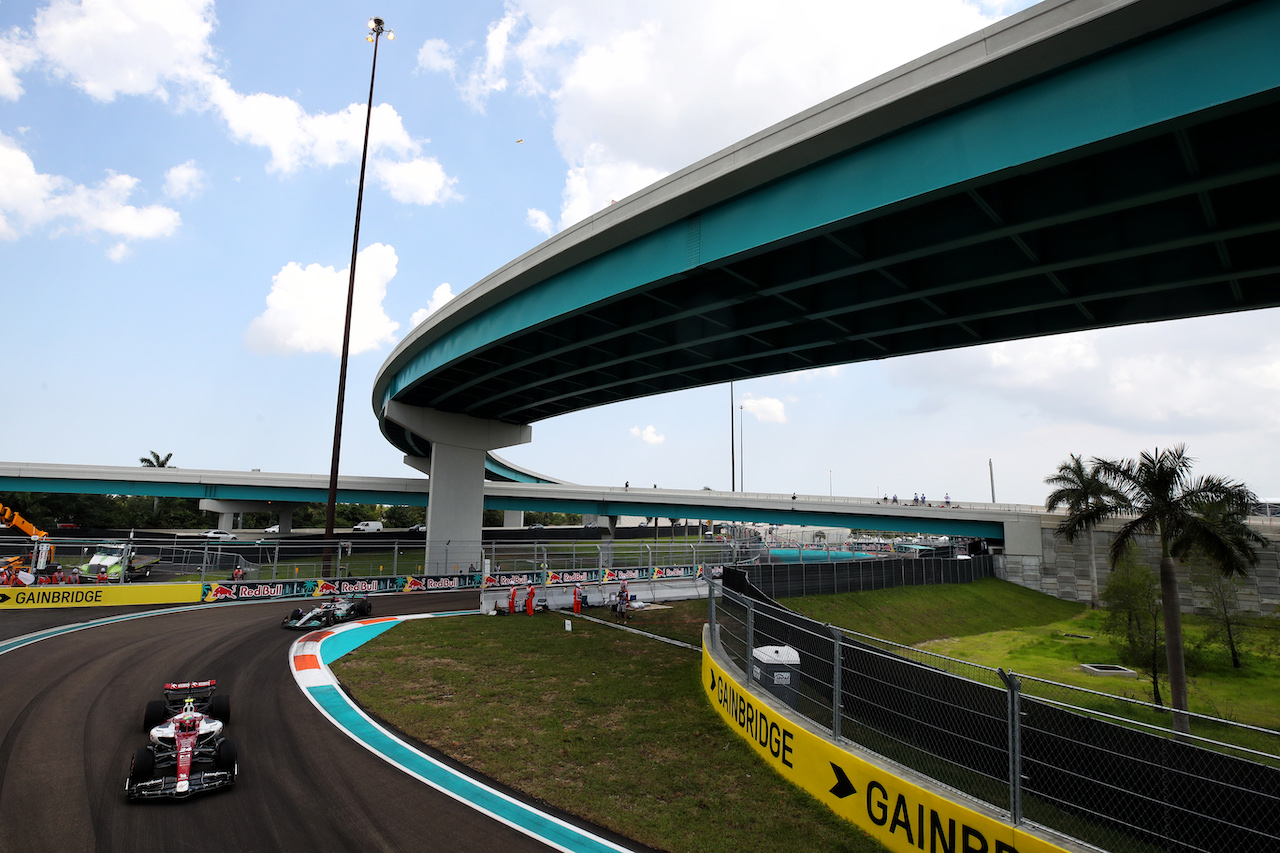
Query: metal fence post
{"x":836,"y":680}
{"x":751,"y":627}
{"x":1014,"y":687}
{"x":711,"y":611}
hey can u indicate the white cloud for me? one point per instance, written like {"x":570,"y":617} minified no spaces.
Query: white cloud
{"x":108,"y":48}
{"x":439,"y":297}
{"x":538,"y":221}
{"x":418,"y":181}
{"x":648,"y":435}
{"x":15,"y":55}
{"x":126,"y":47}
{"x":184,"y":180}
{"x":486,"y":75}
{"x":119,"y":252}
{"x":31,"y":198}
{"x":1174,"y":377}
{"x":600,"y":181}
{"x":306,"y":307}
{"x":814,"y":373}
{"x":766,"y":409}
{"x":640,"y":90}
{"x":435,"y":55}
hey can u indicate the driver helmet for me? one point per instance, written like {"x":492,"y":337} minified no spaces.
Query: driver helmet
{"x":187,"y":723}
{"x":336,"y":599}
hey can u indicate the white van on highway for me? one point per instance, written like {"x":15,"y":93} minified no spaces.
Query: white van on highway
{"x":368,"y":527}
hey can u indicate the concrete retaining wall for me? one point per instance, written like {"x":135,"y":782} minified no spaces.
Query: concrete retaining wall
{"x":1062,"y":570}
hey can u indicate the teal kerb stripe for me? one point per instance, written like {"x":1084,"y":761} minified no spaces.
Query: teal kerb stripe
{"x":1222,"y":59}
{"x":339,"y":644}
{"x":479,"y":796}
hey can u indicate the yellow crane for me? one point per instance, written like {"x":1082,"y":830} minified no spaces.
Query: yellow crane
{"x":42,"y":551}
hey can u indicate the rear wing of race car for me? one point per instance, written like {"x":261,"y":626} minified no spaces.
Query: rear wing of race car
{"x":176,"y":693}
{"x":191,"y":685}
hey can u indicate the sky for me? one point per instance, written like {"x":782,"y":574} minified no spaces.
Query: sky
{"x":177,"y":197}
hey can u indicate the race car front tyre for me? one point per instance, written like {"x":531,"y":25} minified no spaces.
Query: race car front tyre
{"x":225,"y":756}
{"x":155,"y":715}
{"x":328,"y":619}
{"x":142,"y":766}
{"x":293,"y":616}
{"x":220,"y":708}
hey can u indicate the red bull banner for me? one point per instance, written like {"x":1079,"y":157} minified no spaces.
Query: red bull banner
{"x":316,"y":588}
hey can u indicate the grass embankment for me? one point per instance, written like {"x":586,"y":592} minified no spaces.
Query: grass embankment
{"x":599,"y":722}
{"x":999,"y":624}
{"x":616,"y":728}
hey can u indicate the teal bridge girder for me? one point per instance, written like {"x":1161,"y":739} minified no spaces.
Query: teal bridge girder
{"x":288,"y":489}
{"x":1034,"y":179}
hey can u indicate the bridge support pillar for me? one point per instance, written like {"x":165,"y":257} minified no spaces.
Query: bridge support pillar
{"x":513,"y":518}
{"x":227,"y":510}
{"x":455,"y":508}
{"x":608,"y":525}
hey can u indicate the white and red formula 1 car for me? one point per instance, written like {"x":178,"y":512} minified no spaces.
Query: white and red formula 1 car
{"x":187,"y":754}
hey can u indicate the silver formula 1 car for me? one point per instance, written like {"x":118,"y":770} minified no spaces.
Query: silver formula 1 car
{"x":187,"y":754}
{"x":334,"y":610}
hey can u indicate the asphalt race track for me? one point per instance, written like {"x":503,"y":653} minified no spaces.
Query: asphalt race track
{"x":71,"y":717}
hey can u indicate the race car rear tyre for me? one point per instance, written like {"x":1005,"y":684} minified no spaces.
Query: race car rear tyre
{"x":142,"y":766}
{"x":225,"y":756}
{"x":220,"y":708}
{"x":366,"y":607}
{"x":155,"y":715}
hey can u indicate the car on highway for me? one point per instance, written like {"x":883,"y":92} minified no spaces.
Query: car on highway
{"x":418,"y":528}
{"x":218,"y":534}
{"x":336,"y":609}
{"x":275,"y":528}
{"x":188,"y":753}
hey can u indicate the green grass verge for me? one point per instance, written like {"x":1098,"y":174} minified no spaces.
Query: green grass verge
{"x":599,"y":722}
{"x":616,"y":728}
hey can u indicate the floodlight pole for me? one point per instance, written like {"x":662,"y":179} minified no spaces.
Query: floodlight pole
{"x":376,"y":29}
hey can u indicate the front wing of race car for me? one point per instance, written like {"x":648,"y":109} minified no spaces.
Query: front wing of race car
{"x":200,"y":782}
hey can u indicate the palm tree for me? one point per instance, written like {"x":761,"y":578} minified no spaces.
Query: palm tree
{"x":1164,"y":500}
{"x":1088,"y":499}
{"x":155,"y":460}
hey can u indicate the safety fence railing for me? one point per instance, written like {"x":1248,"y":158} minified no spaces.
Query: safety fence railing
{"x":195,"y":557}
{"x":1104,"y":770}
{"x":784,"y":580}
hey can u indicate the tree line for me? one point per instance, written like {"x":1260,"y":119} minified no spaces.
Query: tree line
{"x":1202,"y":518}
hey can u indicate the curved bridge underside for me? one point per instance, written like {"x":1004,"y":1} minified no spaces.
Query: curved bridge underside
{"x":1077,"y":166}
{"x":1133,"y":179}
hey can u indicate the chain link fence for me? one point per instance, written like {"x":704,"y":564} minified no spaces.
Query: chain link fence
{"x":1105,"y":770}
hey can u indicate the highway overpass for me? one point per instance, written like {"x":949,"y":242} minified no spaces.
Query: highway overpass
{"x":1082,"y":164}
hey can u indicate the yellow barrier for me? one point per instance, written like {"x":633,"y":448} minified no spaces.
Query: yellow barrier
{"x":902,"y":815}
{"x":97,"y":595}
